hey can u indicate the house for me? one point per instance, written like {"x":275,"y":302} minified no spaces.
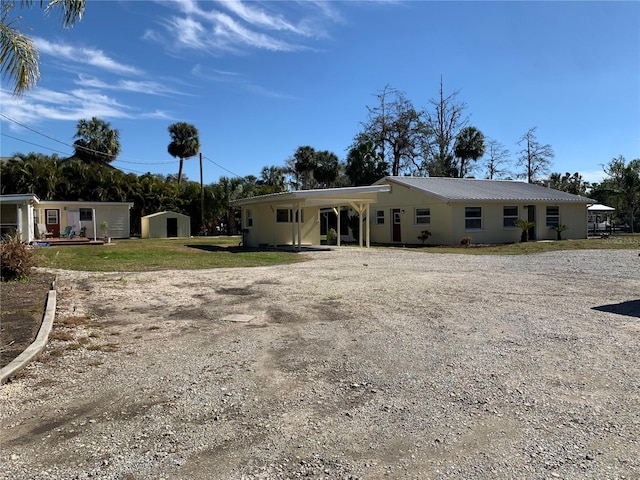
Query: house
{"x":27,"y":214}
{"x":395,"y":210}
{"x":485,"y":210}
{"x":166,"y":225}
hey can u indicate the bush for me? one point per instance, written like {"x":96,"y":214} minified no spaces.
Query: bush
{"x":16,"y":260}
{"x":465,"y":241}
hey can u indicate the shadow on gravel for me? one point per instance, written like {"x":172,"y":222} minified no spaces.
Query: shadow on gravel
{"x":630,"y":308}
{"x":239,"y":249}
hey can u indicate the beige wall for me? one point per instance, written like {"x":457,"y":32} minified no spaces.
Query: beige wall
{"x":155,"y":226}
{"x":117,"y":216}
{"x":447,"y":221}
{"x":266,"y":231}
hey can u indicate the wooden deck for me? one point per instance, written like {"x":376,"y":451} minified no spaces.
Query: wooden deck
{"x":50,"y":242}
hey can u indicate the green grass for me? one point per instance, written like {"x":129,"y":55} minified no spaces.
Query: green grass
{"x":617,"y":242}
{"x":137,"y":255}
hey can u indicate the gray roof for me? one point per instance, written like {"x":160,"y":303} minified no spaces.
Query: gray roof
{"x":465,"y":189}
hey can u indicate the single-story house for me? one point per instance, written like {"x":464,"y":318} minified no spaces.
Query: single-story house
{"x":35,"y":218}
{"x":166,"y":225}
{"x":395,"y":210}
{"x":485,"y":210}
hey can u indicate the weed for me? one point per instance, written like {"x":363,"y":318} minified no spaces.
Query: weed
{"x":16,"y":260}
{"x":94,"y":335}
{"x":74,"y":346}
{"x":56,"y":353}
{"x":154,"y":327}
{"x":62,"y":336}
{"x":74,"y":321}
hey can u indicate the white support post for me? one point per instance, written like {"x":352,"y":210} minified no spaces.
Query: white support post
{"x":368,"y":227}
{"x":339,"y":222}
{"x":299,"y":218}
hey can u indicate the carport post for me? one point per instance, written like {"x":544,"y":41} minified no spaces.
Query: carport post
{"x":368,"y":228}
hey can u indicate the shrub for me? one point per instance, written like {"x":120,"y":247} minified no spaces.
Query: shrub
{"x":332,"y":237}
{"x":16,"y":260}
{"x":465,"y":241}
{"x":424,"y":234}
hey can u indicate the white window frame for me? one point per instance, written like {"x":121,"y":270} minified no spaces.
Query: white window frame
{"x":509,"y":221}
{"x":85,"y":210}
{"x":249,"y":218}
{"x":417,"y":217}
{"x":553,"y":219}
{"x":474,"y":218}
{"x":55,"y":217}
{"x":380,"y":219}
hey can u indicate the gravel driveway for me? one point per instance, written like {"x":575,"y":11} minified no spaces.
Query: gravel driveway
{"x":358,"y":363}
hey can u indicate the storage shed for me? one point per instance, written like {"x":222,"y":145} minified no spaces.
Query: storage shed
{"x":166,"y":225}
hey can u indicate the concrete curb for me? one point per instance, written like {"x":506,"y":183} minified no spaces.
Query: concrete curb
{"x":39,"y":343}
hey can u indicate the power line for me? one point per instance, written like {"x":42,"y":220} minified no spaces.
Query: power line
{"x":34,"y":144}
{"x":220,"y":166}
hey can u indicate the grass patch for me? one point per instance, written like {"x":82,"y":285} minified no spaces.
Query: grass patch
{"x":72,"y":322}
{"x":619,"y":242}
{"x":137,"y":255}
{"x":62,"y":336}
{"x":74,"y":346}
{"x":106,"y":347}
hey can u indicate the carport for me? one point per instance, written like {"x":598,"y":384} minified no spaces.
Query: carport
{"x":263,"y":215}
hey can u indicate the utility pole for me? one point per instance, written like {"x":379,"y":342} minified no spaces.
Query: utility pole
{"x":201,"y":197}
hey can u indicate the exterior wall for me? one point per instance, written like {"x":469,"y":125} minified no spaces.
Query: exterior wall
{"x":447,"y":221}
{"x":155,"y":226}
{"x":117,"y":216}
{"x":18,"y":217}
{"x":266,"y":231}
{"x":408,"y":201}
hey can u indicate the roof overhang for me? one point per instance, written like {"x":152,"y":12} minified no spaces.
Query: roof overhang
{"x":328,"y":197}
{"x":20,"y":198}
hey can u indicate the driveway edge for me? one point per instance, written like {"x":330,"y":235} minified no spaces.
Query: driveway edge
{"x":39,"y":343}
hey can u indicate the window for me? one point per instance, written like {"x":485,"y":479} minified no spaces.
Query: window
{"x":379,"y":217}
{"x":249,"y":223}
{"x":52,"y":217}
{"x":472,"y":218}
{"x":284,"y":215}
{"x":509,"y":217}
{"x":423,"y":216}
{"x":553,"y":216}
{"x":86,"y":215}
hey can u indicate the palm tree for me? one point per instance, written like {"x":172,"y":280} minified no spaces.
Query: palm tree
{"x":525,"y":226}
{"x":97,"y":141}
{"x":305,"y":164}
{"x":469,"y":146}
{"x":19,"y":54}
{"x":184,"y":143}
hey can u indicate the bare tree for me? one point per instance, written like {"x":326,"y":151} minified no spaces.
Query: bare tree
{"x":396,"y":129}
{"x":535,"y":158}
{"x":445,"y":120}
{"x":497,"y":156}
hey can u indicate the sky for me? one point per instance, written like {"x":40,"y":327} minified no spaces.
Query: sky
{"x":261,"y":78}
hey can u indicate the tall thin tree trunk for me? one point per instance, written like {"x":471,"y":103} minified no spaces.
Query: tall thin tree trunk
{"x":180,"y":172}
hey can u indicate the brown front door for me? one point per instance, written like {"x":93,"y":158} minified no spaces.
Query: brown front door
{"x":395,"y":225}
{"x":52,"y":221}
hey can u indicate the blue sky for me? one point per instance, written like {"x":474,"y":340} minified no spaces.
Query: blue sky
{"x":259,"y":79}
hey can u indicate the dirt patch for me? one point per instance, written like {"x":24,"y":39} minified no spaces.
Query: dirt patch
{"x":23,"y":305}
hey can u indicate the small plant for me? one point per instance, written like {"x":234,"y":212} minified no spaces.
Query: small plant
{"x":332,"y":236}
{"x":424,"y":235}
{"x":525,"y":226}
{"x":559,"y":229}
{"x":466,"y":241}
{"x":104,"y":226}
{"x":16,"y":260}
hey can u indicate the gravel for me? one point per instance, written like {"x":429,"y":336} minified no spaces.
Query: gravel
{"x":356,"y":364}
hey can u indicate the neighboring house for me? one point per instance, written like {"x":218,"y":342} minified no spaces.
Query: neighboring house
{"x":294,"y":218}
{"x":397,"y":209}
{"x":25,"y":213}
{"x":166,"y":225}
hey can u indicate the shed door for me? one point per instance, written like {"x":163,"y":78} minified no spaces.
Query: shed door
{"x":52,"y":221}
{"x":172,"y":227}
{"x":395,"y":225}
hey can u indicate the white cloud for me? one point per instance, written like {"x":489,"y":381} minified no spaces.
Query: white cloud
{"x":593,"y":176}
{"x":147,"y":87}
{"x":84,"y":56}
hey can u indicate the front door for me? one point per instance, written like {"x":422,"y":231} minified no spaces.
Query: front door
{"x":172,"y":227}
{"x":395,"y":225}
{"x":52,"y":221}
{"x":531,"y":217}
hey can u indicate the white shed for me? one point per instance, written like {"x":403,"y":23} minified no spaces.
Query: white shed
{"x":166,"y":225}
